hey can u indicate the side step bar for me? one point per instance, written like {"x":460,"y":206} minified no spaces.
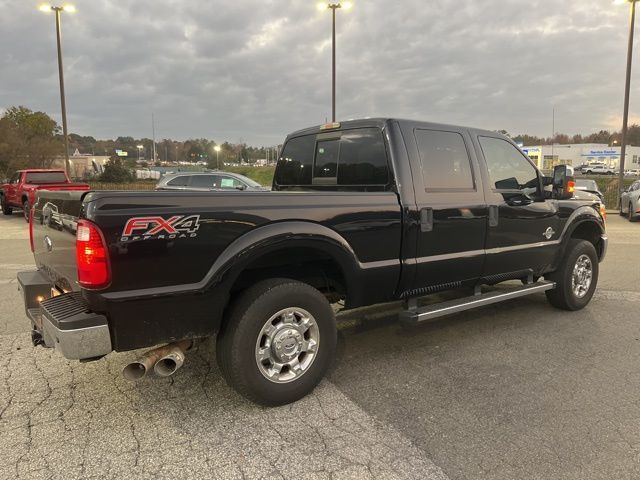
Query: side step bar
{"x":430,"y":312}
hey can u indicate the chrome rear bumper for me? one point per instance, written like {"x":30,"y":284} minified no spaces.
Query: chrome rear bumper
{"x":63,"y":322}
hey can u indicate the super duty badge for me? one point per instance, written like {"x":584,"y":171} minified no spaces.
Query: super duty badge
{"x":147,"y":228}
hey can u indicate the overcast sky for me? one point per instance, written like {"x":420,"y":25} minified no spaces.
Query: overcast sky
{"x":258,"y":69}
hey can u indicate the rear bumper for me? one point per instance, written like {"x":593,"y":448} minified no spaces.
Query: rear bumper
{"x":63,"y":322}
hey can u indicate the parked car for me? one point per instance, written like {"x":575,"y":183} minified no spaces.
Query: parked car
{"x":630,"y":201}
{"x":632,"y":172}
{"x":362,"y":212}
{"x":207,"y":181}
{"x":589,"y":186}
{"x":19,"y":191}
{"x":598,"y":169}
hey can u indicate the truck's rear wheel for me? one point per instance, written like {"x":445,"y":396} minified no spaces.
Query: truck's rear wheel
{"x":6,"y":209}
{"x":25,"y":210}
{"x":576,"y":278}
{"x":278,"y":342}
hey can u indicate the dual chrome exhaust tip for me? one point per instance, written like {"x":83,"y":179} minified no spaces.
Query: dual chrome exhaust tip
{"x":163,"y":361}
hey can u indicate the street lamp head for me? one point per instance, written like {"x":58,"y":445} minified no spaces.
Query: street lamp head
{"x":334,"y":5}
{"x":622,"y":2}
{"x":217,"y":148}
{"x":140,"y":147}
{"x":50,"y":8}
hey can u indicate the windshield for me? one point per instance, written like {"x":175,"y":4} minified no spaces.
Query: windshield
{"x":40,"y":178}
{"x":587,"y":185}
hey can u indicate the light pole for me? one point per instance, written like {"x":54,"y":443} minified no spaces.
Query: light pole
{"x":139,"y":147}
{"x":58,"y":11}
{"x":217,"y":150}
{"x":627,"y":88}
{"x":333,"y":6}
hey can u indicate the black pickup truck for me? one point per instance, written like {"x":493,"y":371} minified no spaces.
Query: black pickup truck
{"x":361,"y":212}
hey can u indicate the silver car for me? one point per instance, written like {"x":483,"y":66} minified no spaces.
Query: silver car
{"x":207,"y":181}
{"x":630,"y":201}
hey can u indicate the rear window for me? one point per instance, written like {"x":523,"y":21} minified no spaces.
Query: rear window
{"x":205,"y":181}
{"x":445,"y":160}
{"x":355,"y":157}
{"x":179,"y":182}
{"x":46,"y":177}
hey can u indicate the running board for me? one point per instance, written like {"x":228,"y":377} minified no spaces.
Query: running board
{"x":430,"y":312}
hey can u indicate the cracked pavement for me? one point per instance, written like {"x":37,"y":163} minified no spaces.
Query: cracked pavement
{"x":510,"y":391}
{"x":67,"y":420}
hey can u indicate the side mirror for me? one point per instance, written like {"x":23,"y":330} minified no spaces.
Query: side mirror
{"x":564,"y":183}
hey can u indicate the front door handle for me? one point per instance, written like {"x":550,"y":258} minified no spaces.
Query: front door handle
{"x":426,"y":219}
{"x":493,"y":215}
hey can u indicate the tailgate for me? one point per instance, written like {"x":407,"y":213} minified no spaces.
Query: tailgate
{"x":55,"y":218}
{"x":64,"y":187}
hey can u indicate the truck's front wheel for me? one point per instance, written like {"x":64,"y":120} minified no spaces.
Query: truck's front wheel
{"x":278,"y":342}
{"x":577,"y":277}
{"x":25,"y":210}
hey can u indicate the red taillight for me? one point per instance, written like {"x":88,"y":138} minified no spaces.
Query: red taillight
{"x":33,"y":249}
{"x":92,"y":256}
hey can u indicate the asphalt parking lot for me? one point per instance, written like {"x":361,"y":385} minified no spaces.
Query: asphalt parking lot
{"x":511,"y":391}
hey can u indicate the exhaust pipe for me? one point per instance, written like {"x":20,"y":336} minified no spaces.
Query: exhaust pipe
{"x":164,"y":361}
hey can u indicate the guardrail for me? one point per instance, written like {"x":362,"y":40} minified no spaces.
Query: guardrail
{"x":123,"y":186}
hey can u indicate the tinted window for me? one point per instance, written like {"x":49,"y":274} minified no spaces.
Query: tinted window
{"x":179,"y":182}
{"x":358,"y":157}
{"x":326,"y":164}
{"x":445,"y":160}
{"x":508,"y":168}
{"x":46,"y":177}
{"x":15,"y":178}
{"x":204,"y":181}
{"x":295,"y":163}
{"x":363,"y":158}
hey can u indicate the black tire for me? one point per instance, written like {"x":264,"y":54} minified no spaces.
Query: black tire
{"x":237,"y":341}
{"x":589,"y":172}
{"x":25,"y":210}
{"x":6,"y":209}
{"x":630,"y":213}
{"x":563,"y":296}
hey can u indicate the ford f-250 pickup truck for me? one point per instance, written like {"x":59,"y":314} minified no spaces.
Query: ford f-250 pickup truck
{"x":361,"y":212}
{"x":20,"y":190}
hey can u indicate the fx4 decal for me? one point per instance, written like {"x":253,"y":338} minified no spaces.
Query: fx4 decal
{"x":146,"y":228}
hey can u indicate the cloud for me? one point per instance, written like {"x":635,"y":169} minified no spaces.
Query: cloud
{"x":257,"y":69}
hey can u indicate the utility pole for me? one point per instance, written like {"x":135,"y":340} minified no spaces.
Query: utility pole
{"x":625,"y":117}
{"x":65,"y":133}
{"x":153,"y":132}
{"x":553,"y":137}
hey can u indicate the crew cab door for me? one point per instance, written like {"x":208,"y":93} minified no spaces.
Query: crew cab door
{"x":451,"y":207}
{"x":11,"y":191}
{"x":524,"y":228}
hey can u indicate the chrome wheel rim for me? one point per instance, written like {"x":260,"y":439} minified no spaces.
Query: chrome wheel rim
{"x":287,"y":345}
{"x":582,"y":276}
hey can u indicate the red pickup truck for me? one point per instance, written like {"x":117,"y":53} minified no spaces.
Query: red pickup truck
{"x":20,"y":190}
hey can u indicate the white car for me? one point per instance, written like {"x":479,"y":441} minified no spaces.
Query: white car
{"x":598,"y":169}
{"x":630,"y":201}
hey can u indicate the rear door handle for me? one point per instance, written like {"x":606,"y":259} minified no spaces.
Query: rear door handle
{"x":493,"y":215}
{"x":426,"y":219}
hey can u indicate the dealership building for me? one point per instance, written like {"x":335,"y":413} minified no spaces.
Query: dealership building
{"x":547,"y":156}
